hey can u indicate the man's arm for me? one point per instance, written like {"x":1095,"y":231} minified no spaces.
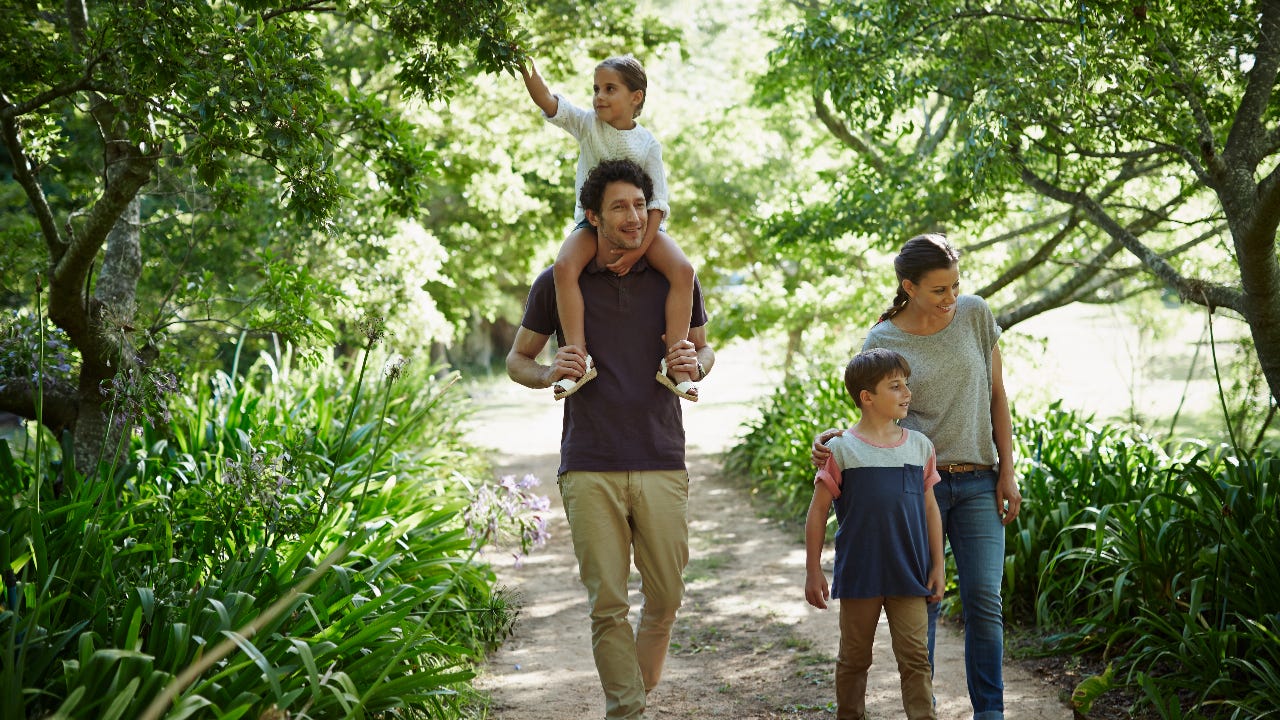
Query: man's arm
{"x":686,"y":354}
{"x":523,"y":367}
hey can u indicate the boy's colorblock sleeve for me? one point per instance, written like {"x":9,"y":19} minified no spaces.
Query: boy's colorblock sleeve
{"x":829,"y":475}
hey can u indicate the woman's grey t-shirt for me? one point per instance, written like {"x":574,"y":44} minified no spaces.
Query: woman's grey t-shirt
{"x":950,"y":381}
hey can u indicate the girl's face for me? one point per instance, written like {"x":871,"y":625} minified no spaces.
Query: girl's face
{"x":935,"y":294}
{"x":614,"y":102}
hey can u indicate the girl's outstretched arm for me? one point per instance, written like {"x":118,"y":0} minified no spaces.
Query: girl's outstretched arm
{"x":538,"y":89}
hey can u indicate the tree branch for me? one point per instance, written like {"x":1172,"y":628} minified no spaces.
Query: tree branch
{"x":1189,"y":289}
{"x":842,"y":133}
{"x":1037,"y":258}
{"x":314,"y":6}
{"x":1027,"y":229}
{"x":24,"y":173}
{"x":1247,"y":136}
{"x":930,"y":139}
{"x":1208,"y":148}
{"x":59,"y":409}
{"x":84,"y":82}
{"x":1062,"y":294}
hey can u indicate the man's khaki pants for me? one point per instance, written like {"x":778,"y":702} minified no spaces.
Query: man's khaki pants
{"x":908,"y":629}
{"x":609,"y":514}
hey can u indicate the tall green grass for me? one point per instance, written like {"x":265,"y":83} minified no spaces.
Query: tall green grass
{"x":117,"y":584}
{"x":1161,"y":558}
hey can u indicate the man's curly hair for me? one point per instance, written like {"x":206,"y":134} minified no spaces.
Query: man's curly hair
{"x":592,"y":195}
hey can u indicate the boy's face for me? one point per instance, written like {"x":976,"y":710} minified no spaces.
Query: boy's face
{"x":892,"y":397}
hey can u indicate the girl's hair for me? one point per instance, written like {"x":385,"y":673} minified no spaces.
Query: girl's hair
{"x":633,"y":75}
{"x":921,"y":254}
{"x":869,"y":367}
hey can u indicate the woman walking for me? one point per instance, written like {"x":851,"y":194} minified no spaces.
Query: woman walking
{"x":959,"y":402}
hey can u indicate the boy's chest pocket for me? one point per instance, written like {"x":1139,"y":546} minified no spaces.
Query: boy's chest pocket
{"x":912,"y":479}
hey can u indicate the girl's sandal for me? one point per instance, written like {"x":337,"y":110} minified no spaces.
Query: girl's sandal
{"x":564,"y":387}
{"x":683,"y":389}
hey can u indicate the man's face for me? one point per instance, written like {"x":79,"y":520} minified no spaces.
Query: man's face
{"x":623,"y":215}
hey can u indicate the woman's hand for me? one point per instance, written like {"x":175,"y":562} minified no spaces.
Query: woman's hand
{"x":1008,"y":498}
{"x":820,"y":452}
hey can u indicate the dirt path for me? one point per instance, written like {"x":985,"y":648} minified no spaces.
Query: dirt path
{"x":745,"y":645}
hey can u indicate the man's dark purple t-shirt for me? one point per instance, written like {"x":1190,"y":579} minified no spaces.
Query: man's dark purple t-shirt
{"x":623,"y":419}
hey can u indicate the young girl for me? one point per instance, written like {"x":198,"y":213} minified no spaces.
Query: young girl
{"x":609,"y":132}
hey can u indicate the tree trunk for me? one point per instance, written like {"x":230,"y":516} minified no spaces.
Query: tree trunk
{"x":104,"y":420}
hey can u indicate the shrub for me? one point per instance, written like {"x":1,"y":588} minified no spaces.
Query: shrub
{"x":310,"y":521}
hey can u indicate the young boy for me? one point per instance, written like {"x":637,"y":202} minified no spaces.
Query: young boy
{"x":889,"y":540}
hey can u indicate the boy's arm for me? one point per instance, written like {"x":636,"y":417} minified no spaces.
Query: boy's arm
{"x":538,"y":89}
{"x":816,"y":591}
{"x":937,"y":560}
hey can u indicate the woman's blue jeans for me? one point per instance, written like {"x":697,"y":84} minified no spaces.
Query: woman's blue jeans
{"x":967,"y":502}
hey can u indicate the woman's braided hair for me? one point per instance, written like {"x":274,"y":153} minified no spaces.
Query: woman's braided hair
{"x":921,"y":254}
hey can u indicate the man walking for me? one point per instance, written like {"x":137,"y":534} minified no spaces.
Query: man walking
{"x":622,"y":473}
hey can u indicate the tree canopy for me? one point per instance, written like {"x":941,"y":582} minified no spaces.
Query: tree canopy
{"x":1080,"y":152}
{"x":243,"y":166}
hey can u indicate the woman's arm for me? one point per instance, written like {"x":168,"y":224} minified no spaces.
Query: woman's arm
{"x":1008,"y":498}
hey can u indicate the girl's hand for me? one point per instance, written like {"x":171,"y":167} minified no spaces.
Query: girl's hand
{"x":626,"y":258}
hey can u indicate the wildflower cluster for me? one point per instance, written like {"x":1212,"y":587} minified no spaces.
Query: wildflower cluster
{"x":510,"y":508}
{"x":394,"y":367}
{"x":258,"y":490}
{"x":20,"y":352}
{"x":139,"y":393}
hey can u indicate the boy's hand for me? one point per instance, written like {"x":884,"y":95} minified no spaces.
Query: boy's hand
{"x":937,"y":583}
{"x":820,"y":452}
{"x":816,"y":591}
{"x":626,"y":258}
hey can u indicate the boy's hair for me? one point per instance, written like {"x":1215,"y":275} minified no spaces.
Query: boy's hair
{"x":592,"y":195}
{"x":868,"y":368}
{"x":633,"y":75}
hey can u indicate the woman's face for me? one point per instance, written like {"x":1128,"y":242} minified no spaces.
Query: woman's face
{"x":935,"y":294}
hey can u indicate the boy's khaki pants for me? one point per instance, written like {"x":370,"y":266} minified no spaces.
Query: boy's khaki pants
{"x":610,"y":513}
{"x":908,"y":627}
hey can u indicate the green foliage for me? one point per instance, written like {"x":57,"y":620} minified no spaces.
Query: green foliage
{"x":116,"y":586}
{"x":774,"y":452}
{"x":1075,"y":152}
{"x":1179,"y":580}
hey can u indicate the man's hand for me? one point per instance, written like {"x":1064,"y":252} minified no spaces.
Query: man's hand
{"x":570,"y":362}
{"x":626,"y":258}
{"x":682,"y":357}
{"x":820,"y":452}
